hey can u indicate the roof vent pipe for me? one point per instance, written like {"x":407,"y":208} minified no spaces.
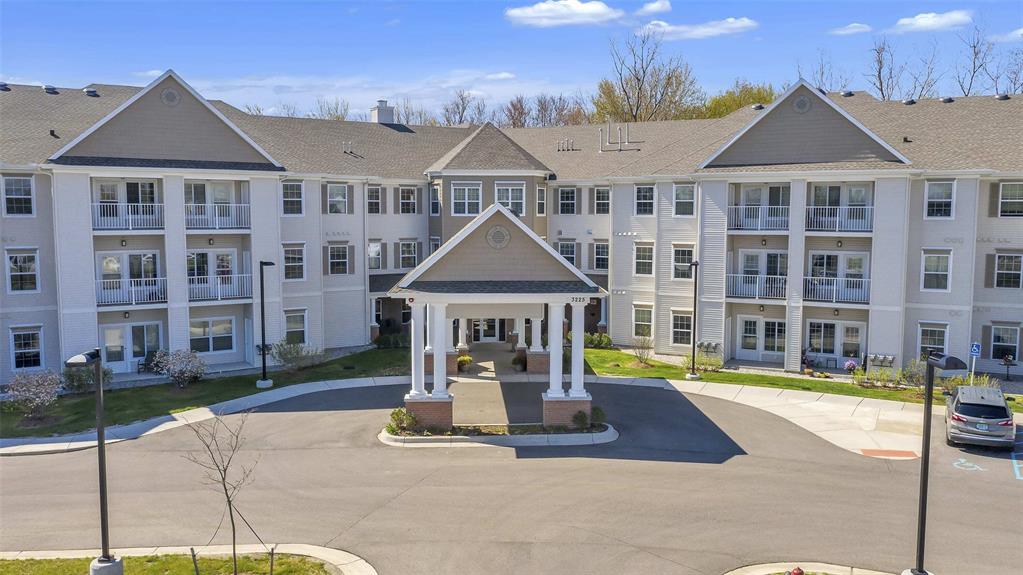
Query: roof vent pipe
{"x":847,"y":94}
{"x":600,"y":139}
{"x":619,"y":138}
{"x":909,"y":101}
{"x":757,"y":107}
{"x":4,"y":87}
{"x":571,"y":145}
{"x":1002,"y":97}
{"x":627,"y":133}
{"x":609,"y":132}
{"x":91,"y":92}
{"x":948,"y":100}
{"x":49,"y":89}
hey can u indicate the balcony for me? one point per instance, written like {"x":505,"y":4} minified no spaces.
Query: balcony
{"x":219,"y":287}
{"x":758,"y":218}
{"x":755,"y":286}
{"x":217,"y":217}
{"x":131,"y":291}
{"x":836,"y":290}
{"x":117,"y":216}
{"x":839,"y":218}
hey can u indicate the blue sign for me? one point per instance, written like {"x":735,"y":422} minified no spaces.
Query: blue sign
{"x":975,"y":349}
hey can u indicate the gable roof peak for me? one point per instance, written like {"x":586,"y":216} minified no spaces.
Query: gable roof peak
{"x":488,"y":148}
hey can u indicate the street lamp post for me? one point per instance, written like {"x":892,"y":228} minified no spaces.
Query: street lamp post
{"x":106,"y":563}
{"x":694,"y":269}
{"x":263,"y":382}
{"x":942,"y":362}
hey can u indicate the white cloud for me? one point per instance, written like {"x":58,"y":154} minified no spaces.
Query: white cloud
{"x":700,"y":31}
{"x":500,"y":76}
{"x":148,"y":74}
{"x":849,"y":29}
{"x":655,"y":7}
{"x":933,"y":22}
{"x":1014,"y":36}
{"x":550,"y":13}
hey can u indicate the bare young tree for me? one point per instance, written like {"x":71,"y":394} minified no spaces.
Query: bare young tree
{"x":478,"y":112}
{"x":221,"y":444}
{"x":254,"y":109}
{"x":517,"y":113}
{"x":330,"y":109}
{"x":823,"y":75}
{"x":973,"y":64}
{"x":409,"y":113}
{"x":886,"y":72}
{"x":286,"y":109}
{"x":924,"y":77}
{"x":551,"y":110}
{"x":456,"y":110}
{"x":1006,"y":75}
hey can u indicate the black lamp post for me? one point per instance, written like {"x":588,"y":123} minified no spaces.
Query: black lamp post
{"x":942,"y":362}
{"x":262,"y":320}
{"x":694,"y":269}
{"x":106,"y":563}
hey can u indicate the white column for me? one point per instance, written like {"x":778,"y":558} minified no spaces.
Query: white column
{"x":449,"y":337}
{"x":440,"y":363}
{"x":174,"y":260}
{"x":537,"y":345}
{"x":578,"y":321}
{"x":416,"y":329}
{"x":373,"y":312}
{"x":430,"y":317}
{"x":555,"y":325}
{"x":520,"y":329}
{"x":603,"y":312}
{"x":462,"y":326}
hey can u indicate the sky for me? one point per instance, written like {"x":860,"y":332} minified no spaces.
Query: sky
{"x":266,"y":53}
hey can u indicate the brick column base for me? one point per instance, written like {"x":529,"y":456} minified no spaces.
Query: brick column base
{"x":374,"y":332}
{"x":601,"y":328}
{"x":538,"y":362}
{"x":431,"y":413}
{"x":512,"y":338}
{"x":559,"y":412}
{"x":452,"y":363}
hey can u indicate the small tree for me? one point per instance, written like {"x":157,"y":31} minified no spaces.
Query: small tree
{"x":34,"y":392}
{"x":184,"y":367}
{"x":82,"y":379}
{"x":295,"y":356}
{"x":643,"y":348}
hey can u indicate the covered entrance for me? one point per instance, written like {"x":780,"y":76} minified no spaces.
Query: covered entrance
{"x":488,"y":330}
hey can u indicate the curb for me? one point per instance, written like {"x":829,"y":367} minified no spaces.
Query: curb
{"x":808,"y":566}
{"x":535,"y":440}
{"x":347,"y":563}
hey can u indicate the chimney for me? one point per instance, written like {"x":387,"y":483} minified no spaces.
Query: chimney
{"x":382,"y":113}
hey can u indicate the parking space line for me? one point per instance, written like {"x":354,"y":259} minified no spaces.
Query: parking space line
{"x":1017,"y":465}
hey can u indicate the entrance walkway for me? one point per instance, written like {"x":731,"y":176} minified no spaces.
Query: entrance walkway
{"x":481,"y":402}
{"x":490,"y":361}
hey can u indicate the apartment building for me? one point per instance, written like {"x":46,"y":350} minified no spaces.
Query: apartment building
{"x":135,"y":219}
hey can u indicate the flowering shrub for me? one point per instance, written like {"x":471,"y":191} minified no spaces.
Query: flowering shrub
{"x":295,"y":356}
{"x":183,"y":366}
{"x":851,"y":365}
{"x":34,"y":392}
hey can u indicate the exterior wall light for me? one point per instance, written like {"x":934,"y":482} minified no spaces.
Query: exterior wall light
{"x":124,"y":242}
{"x":127,"y":314}
{"x":835,"y":311}
{"x":211,"y":241}
{"x":838,"y":243}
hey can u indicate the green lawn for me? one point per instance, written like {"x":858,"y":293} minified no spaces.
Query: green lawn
{"x":171,"y":565}
{"x":78,"y":413}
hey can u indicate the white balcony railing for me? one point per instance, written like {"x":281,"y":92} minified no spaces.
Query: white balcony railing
{"x":839,"y":218}
{"x":755,"y":286}
{"x":206,"y":288}
{"x":217,"y":216}
{"x":114,"y":216}
{"x":837,"y":290}
{"x":131,"y":291}
{"x":758,"y":217}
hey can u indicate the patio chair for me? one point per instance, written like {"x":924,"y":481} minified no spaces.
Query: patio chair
{"x":145,"y":364}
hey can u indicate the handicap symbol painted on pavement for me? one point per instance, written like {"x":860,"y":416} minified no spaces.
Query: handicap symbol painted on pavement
{"x":965,"y":465}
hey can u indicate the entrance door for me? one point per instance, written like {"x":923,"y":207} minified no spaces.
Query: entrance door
{"x":115,"y":354}
{"x":485,"y":330}
{"x":747,"y":346}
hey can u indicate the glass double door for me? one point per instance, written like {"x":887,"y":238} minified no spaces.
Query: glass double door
{"x":488,"y":329}
{"x":764,"y":273}
{"x":126,"y":345}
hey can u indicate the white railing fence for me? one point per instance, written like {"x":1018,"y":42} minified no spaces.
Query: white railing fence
{"x":838,"y":290}
{"x":755,"y":286}
{"x":758,"y":217}
{"x":131,"y":291}
{"x":114,"y":216}
{"x":217,"y":216}
{"x":839,"y":218}
{"x":202,"y":288}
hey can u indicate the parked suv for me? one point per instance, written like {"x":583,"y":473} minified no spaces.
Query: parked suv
{"x":979,"y":416}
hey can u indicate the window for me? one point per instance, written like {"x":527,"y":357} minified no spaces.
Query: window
{"x":1008,"y":270}
{"x":681,"y":259}
{"x":196,"y":194}
{"x":373,"y":203}
{"x":512,"y":196}
{"x":602,"y":201}
{"x":566,"y":200}
{"x":932,"y":338}
{"x":140,"y":192}
{"x":22,"y":271}
{"x":821,"y":337}
{"x":27,"y":347}
{"x":374,"y":255}
{"x":337,"y":260}
{"x":644,"y":260}
{"x":567,"y":251}
{"x":466,"y":199}
{"x":681,"y":329}
{"x":294,"y":326}
{"x":378,"y":310}
{"x":642,"y":321}
{"x":406,"y":312}
{"x":434,"y":200}
{"x":1010,"y":200}
{"x":851,"y":341}
{"x":541,"y":201}
{"x":145,"y":338}
{"x":337,"y":198}
{"x":644,"y":200}
{"x":601,"y":255}
{"x":936,"y":266}
{"x":19,"y":198}
{"x":1004,"y":341}
{"x":939,"y":200}
{"x":434,"y":244}
{"x":685,"y":200}
{"x":294,"y":262}
{"x":774,"y":336}
{"x":211,"y":334}
{"x":408,"y":254}
{"x":407,"y":200}
{"x":291,"y":199}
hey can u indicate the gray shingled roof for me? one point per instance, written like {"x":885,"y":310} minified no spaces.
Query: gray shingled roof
{"x":379,"y":283}
{"x":499,"y":287}
{"x":488,"y":148}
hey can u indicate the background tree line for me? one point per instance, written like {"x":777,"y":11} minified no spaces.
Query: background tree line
{"x":644,"y":84}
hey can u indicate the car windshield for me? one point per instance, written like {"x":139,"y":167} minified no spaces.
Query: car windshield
{"x":982,"y":411}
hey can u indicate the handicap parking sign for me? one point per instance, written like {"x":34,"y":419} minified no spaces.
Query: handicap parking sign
{"x":975,"y":349}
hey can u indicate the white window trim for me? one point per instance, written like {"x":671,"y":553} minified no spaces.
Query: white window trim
{"x":305,"y":261}
{"x":575,"y":200}
{"x":920,"y":336}
{"x":415,"y":249}
{"x":996,"y":272}
{"x":302,"y":201}
{"x":435,"y":240}
{"x":513,"y":185}
{"x":653,"y":318}
{"x":923,"y":256}
{"x":435,"y":191}
{"x":380,"y":257}
{"x":1015,"y":356}
{"x":7,"y":270}
{"x":125,"y":266}
{"x":541,"y":200}
{"x":415,"y":200}
{"x":42,"y":347}
{"x":635,"y":200}
{"x":927,"y":189}
{"x":343,"y":200}
{"x":305,"y":323}
{"x":479,"y":189}
{"x":347,"y":259}
{"x":671,"y":334}
{"x":575,"y":254}
{"x":674,"y":202}
{"x":653,"y":259}
{"x":379,"y":201}
{"x":595,"y":212}
{"x":840,"y":325}
{"x":763,"y":339}
{"x":689,"y":247}
{"x":594,"y":248}
{"x":1001,"y":188}
{"x":842,"y":255}
{"x":210,"y":320}
{"x":32,"y":194}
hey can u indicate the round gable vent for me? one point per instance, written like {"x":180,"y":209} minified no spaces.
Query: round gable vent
{"x":170,"y":97}
{"x":498,"y":237}
{"x":802,"y":104}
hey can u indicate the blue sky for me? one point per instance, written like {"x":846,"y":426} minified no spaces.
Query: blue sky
{"x":269,"y":52}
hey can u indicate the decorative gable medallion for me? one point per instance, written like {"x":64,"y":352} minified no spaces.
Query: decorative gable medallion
{"x":498,"y":237}
{"x":171,"y":97}
{"x":801,"y":104}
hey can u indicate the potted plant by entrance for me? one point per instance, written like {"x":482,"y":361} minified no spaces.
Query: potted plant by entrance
{"x":519,"y":363}
{"x":464,"y":361}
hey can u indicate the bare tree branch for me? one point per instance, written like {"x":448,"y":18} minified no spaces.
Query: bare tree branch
{"x":822,"y":74}
{"x":924,"y":77}
{"x":885,"y":72}
{"x":974,"y":63}
{"x":330,"y":109}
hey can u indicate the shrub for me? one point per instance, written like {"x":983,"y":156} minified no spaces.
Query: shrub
{"x":35,"y":391}
{"x":950,"y":384}
{"x":851,"y":365}
{"x":402,"y":420}
{"x":184,"y":367}
{"x":704,"y":362}
{"x":597,"y":415}
{"x":392,"y":340}
{"x":882,"y":376}
{"x":519,"y":360}
{"x":859,"y":376}
{"x":643,"y":347}
{"x":82,"y":379}
{"x":295,"y":356}
{"x":598,"y":341}
{"x":464,"y":361}
{"x":985,"y":380}
{"x":914,"y":373}
{"x":581,"y":420}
